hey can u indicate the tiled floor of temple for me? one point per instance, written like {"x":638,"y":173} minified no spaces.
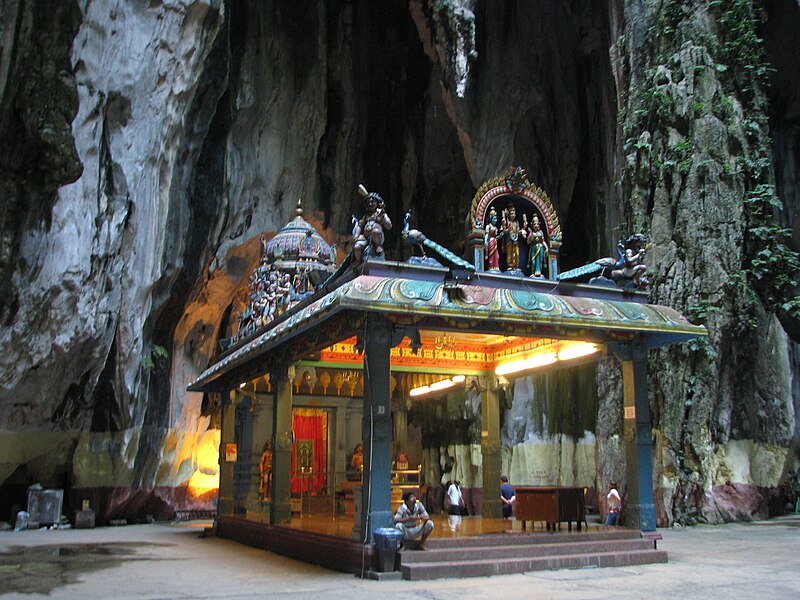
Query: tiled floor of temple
{"x":342,"y":526}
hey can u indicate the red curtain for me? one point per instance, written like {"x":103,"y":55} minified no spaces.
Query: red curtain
{"x":309,"y":451}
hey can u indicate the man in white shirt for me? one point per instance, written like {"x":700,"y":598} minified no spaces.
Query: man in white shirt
{"x":413,"y":520}
{"x":614,"y":505}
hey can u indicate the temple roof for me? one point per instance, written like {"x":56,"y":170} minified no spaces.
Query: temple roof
{"x":420,"y":296}
{"x":299,"y":244}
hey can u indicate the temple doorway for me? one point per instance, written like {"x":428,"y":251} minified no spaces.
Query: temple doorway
{"x":310,"y":451}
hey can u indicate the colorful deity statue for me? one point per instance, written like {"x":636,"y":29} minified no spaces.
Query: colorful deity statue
{"x":368,"y":230}
{"x":538,"y":247}
{"x":490,"y":239}
{"x":630,"y":266}
{"x":511,"y":231}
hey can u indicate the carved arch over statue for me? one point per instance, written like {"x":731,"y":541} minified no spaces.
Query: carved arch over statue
{"x":513,"y":187}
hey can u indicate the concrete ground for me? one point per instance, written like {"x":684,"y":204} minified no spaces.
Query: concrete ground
{"x":743,"y":560}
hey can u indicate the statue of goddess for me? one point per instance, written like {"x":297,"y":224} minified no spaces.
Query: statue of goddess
{"x":538,"y":247}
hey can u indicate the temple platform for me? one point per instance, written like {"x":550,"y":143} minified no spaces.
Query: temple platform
{"x":478,"y":547}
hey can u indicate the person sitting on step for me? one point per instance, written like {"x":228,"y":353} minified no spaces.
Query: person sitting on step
{"x":413,"y":520}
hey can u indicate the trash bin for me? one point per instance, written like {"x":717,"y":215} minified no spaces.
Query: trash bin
{"x":387,"y":543}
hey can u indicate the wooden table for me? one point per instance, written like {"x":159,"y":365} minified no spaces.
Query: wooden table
{"x":551,"y":505}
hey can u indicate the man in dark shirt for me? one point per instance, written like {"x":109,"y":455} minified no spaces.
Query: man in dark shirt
{"x":507,"y":496}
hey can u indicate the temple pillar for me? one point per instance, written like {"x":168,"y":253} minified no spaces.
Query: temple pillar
{"x":281,"y":376}
{"x":376,"y":430}
{"x":638,"y":505}
{"x":226,"y":436}
{"x":257,"y":506}
{"x":399,"y":425}
{"x":490,"y":448}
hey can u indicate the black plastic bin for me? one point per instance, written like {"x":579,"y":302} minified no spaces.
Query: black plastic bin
{"x":387,"y":543}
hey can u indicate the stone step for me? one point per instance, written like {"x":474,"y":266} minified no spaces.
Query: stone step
{"x":491,"y":566}
{"x":514,"y":551}
{"x":509,"y":539}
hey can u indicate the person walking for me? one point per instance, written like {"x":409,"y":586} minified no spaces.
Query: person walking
{"x":614,"y":504}
{"x":455,"y":504}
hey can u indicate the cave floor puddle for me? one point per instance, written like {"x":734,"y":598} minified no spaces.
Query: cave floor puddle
{"x":42,"y":569}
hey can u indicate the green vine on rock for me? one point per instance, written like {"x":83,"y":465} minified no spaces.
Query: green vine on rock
{"x":157,"y":357}
{"x":772,"y":264}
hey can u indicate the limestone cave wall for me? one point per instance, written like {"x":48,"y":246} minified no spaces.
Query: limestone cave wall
{"x":147,"y":145}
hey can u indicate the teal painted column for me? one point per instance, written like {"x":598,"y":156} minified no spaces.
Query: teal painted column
{"x":491,"y":456}
{"x":226,"y":436}
{"x":638,"y":504}
{"x":258,"y":508}
{"x":376,"y":502}
{"x":280,"y":510}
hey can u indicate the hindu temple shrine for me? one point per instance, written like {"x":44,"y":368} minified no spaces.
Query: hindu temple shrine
{"x":340,"y":383}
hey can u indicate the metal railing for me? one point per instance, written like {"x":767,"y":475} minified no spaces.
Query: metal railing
{"x":339,"y":485}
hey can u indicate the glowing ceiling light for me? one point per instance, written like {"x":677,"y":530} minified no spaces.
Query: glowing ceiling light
{"x":441,"y":385}
{"x":539,"y":360}
{"x":577,"y":351}
{"x":438,"y":386}
{"x":241,"y":385}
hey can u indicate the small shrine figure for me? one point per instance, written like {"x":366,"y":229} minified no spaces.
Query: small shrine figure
{"x":512,"y":231}
{"x":265,"y":469}
{"x":517,"y":180}
{"x":368,"y":230}
{"x":631,"y":265}
{"x":263,"y":244}
{"x":300,"y":281}
{"x":490,"y":238}
{"x":308,"y":249}
{"x":538,"y":247}
{"x":284,"y":292}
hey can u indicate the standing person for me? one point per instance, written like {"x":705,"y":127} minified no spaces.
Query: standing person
{"x":614,"y":505}
{"x":413,"y":520}
{"x":455,"y":500}
{"x":507,"y":497}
